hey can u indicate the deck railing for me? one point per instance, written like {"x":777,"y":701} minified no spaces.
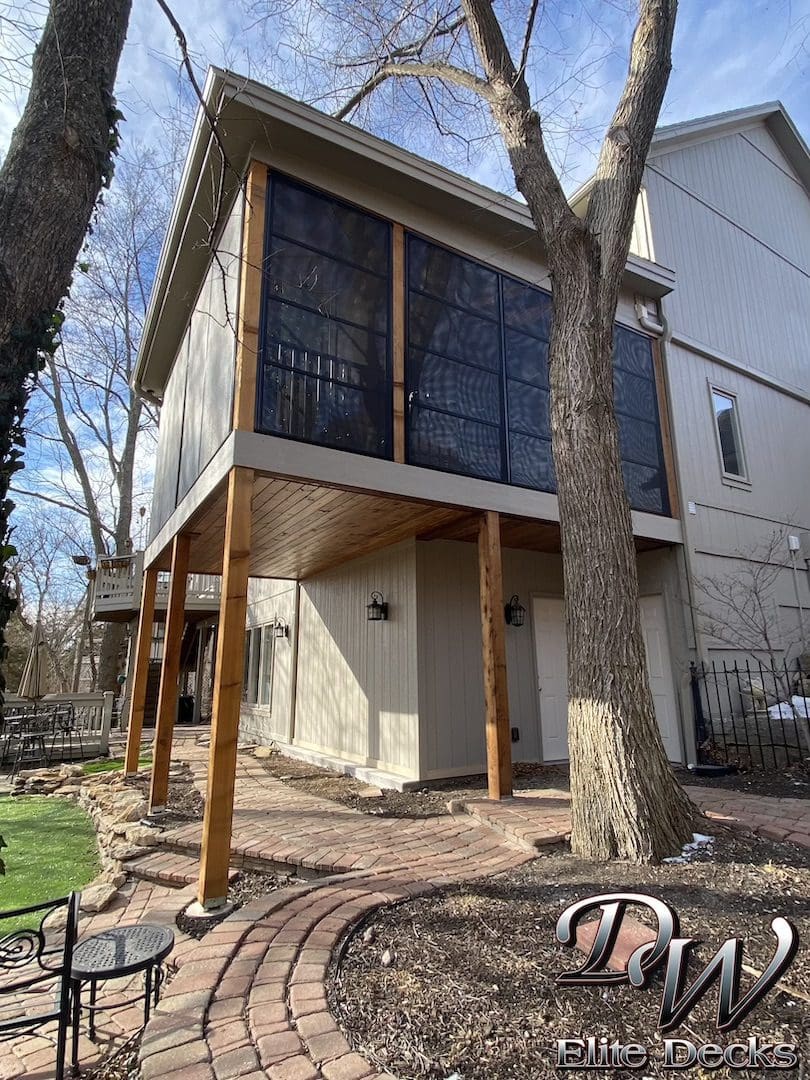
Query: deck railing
{"x":93,"y":714}
{"x":119,"y":579}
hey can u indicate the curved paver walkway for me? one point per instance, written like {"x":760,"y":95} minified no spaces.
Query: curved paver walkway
{"x":274,"y":822}
{"x":250,"y":1000}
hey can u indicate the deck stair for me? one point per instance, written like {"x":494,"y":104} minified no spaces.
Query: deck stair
{"x":172,"y":868}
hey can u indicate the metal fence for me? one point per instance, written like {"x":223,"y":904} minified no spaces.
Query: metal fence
{"x":752,"y":714}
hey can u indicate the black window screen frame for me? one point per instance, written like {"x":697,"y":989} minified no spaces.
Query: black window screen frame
{"x":542,"y":336}
{"x":497,"y":373}
{"x":385,"y":391}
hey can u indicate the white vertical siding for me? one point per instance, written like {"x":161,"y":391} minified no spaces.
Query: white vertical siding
{"x":196,"y":415}
{"x":269,"y":600}
{"x":357,"y":694}
{"x":733,"y":220}
{"x":451,"y":689}
{"x":754,"y":189}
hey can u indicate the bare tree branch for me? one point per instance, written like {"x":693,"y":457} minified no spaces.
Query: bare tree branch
{"x":527,"y":37}
{"x":627,"y":142}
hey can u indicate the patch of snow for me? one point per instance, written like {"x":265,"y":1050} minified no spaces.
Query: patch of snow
{"x":692,"y":848}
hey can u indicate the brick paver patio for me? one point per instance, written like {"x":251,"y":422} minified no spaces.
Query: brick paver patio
{"x":249,"y":999}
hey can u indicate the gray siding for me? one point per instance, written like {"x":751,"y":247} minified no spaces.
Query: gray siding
{"x":731,"y":218}
{"x":356,"y":695}
{"x":269,"y":600}
{"x":197,"y":407}
{"x":451,"y":690}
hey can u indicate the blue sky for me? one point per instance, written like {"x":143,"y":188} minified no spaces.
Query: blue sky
{"x":727,"y":54}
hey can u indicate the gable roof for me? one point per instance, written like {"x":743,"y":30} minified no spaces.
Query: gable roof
{"x":688,"y":132}
{"x":772,"y":113}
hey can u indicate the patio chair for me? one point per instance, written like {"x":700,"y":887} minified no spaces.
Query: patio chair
{"x":35,"y":964}
{"x":30,"y":740}
{"x":64,"y":728}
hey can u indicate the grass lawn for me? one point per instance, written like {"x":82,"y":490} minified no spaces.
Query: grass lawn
{"x":112,"y":765}
{"x":51,"y":850}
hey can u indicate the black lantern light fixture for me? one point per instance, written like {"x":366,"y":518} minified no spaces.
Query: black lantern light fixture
{"x":515,"y":612}
{"x":377,"y":609}
{"x":280,"y":629}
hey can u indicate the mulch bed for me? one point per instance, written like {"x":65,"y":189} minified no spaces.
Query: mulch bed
{"x":248,"y":886}
{"x":431,"y":801}
{"x":426,"y":802}
{"x":184,"y":802}
{"x":790,"y":783}
{"x":470,"y":991}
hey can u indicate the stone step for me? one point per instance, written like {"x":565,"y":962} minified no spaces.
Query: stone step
{"x":168,"y":868}
{"x":527,"y":824}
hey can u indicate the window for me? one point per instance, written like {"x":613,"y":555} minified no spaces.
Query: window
{"x":729,"y":441}
{"x":257,"y":688}
{"x":325,"y":358}
{"x":478,"y":384}
{"x":266,"y":669}
{"x":250,"y":685}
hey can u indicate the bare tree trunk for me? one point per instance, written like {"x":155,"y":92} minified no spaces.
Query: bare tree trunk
{"x":109,"y":656}
{"x":59,"y":157}
{"x":625,"y":800}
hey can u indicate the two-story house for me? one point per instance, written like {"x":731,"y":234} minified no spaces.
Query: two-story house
{"x":350,"y":347}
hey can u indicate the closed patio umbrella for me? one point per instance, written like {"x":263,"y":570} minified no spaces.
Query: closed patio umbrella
{"x":33,"y":681}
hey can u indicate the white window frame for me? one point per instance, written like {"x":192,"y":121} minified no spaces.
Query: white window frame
{"x":267,"y":666}
{"x":742,"y":478}
{"x":252,"y":665}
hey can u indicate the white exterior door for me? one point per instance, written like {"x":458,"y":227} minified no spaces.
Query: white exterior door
{"x":552,"y":674}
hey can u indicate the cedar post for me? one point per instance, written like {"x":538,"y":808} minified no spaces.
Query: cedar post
{"x":398,"y":341}
{"x":493,"y":629}
{"x":228,"y":677}
{"x":140,"y":674}
{"x":169,"y":674}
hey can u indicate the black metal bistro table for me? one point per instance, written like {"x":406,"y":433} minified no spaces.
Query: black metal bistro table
{"x":114,"y":954}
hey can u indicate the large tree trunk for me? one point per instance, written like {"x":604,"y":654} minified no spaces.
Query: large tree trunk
{"x":626,"y":801}
{"x":109,"y":656}
{"x":59,"y":157}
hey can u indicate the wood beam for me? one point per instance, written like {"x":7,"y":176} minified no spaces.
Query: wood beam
{"x":228,"y":677}
{"x":666,"y":431}
{"x":140,"y":670}
{"x":169,"y":674}
{"x":250,"y":299}
{"x":493,"y":640}
{"x":398,"y":340}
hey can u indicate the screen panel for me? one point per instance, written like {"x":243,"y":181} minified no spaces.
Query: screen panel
{"x":326,"y":349}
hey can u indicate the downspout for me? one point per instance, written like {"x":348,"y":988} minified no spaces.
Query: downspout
{"x":294,"y":662}
{"x":686,"y":547}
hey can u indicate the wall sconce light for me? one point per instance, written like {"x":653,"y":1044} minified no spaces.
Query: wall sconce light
{"x":377,"y":609}
{"x":515,"y":612}
{"x":280,"y":629}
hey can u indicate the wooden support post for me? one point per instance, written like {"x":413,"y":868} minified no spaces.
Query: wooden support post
{"x":169,"y":674}
{"x":493,"y":630}
{"x":666,"y":431}
{"x":228,"y":677}
{"x":398,"y":341}
{"x":140,"y":671}
{"x":250,"y":299}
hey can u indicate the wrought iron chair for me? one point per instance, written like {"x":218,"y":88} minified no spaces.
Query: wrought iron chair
{"x":30,"y":739}
{"x":65,"y":729}
{"x":35,"y":965}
